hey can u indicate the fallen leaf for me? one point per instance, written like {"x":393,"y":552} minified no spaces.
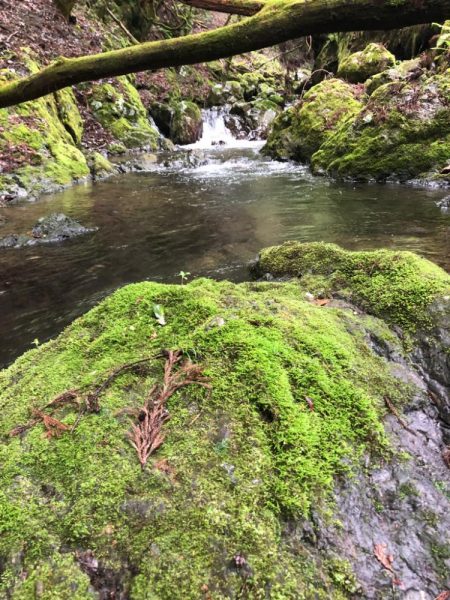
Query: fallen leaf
{"x":444,"y":595}
{"x":322,"y":301}
{"x":385,"y":559}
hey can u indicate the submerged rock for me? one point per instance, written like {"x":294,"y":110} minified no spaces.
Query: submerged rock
{"x":317,"y":449}
{"x":53,"y":228}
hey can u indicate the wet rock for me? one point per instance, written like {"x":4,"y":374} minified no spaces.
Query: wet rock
{"x":444,"y":204}
{"x":187,"y":125}
{"x":54,"y":228}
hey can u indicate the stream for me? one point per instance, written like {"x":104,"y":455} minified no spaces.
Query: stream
{"x":209,"y":219}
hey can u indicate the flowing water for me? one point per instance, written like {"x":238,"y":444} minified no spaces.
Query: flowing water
{"x":209,"y":219}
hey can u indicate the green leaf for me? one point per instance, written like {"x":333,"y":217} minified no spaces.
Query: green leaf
{"x":158,"y":311}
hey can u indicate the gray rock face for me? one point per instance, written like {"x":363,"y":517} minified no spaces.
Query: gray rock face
{"x":54,"y":228}
{"x":399,"y":504}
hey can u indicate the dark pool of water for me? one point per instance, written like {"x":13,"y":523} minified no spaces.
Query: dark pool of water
{"x":210,"y":220}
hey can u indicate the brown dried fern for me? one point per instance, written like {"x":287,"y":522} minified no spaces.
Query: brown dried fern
{"x":146,"y":436}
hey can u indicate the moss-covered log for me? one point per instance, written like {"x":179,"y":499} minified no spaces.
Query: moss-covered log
{"x":278,"y":21}
{"x":234,"y":7}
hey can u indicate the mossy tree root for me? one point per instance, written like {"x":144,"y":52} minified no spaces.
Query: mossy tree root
{"x":278,"y":21}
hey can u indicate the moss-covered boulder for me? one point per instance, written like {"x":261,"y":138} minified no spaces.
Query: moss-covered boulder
{"x":37,"y":146}
{"x":300,"y":131}
{"x":396,"y":286}
{"x":358,"y":67}
{"x":404,"y":70}
{"x":402,"y":133}
{"x":120,"y":111}
{"x":228,"y":92}
{"x":241,"y":499}
{"x":186,"y":126}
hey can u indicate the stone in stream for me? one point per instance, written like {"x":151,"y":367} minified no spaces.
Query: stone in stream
{"x":53,"y":228}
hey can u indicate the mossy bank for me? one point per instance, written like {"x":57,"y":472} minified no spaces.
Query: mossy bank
{"x":235,"y":501}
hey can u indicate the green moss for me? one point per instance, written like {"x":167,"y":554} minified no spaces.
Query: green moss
{"x":358,"y":67}
{"x":120,"y":111}
{"x":302,"y":129}
{"x":402,"y":133}
{"x":46,"y":154}
{"x":68,"y":114}
{"x":100,"y":166}
{"x":241,"y":459}
{"x":397,"y":286}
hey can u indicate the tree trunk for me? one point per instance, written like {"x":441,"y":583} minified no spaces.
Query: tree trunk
{"x":278,"y":21}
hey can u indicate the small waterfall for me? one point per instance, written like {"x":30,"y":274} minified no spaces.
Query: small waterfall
{"x":215,"y":130}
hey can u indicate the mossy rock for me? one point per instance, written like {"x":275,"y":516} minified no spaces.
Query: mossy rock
{"x":300,"y":131}
{"x":228,"y":92}
{"x":205,"y":514}
{"x":120,"y":111}
{"x":399,"y":287}
{"x":407,"y":69}
{"x":68,"y":114}
{"x":296,"y":400}
{"x":186,"y":126}
{"x":402,"y":133}
{"x":42,"y":152}
{"x":358,"y":67}
{"x":99,"y":166}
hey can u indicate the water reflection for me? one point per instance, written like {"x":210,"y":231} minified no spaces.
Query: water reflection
{"x":209,"y":220}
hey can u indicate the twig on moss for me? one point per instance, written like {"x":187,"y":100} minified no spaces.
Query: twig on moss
{"x":74,"y":397}
{"x":146,"y":436}
{"x":396,"y":414}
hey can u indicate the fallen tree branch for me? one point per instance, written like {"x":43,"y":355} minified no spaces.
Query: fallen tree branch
{"x":276,"y":22}
{"x":233,"y":7}
{"x":74,"y":397}
{"x":118,"y":22}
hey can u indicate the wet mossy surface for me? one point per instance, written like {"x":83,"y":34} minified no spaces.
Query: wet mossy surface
{"x":359,"y":66}
{"x":40,"y":146}
{"x":296,"y":399}
{"x":399,"y":287}
{"x":300,"y":131}
{"x":120,"y":111}
{"x":402,"y":133}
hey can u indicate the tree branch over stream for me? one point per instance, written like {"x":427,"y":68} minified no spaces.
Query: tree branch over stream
{"x":277,"y":21}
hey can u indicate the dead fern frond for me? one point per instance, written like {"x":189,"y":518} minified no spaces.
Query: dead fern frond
{"x":146,"y":436}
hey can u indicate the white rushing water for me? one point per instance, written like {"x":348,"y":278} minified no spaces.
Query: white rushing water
{"x":216,"y":133}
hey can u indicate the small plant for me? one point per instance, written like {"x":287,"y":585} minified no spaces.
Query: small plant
{"x":184,"y":275}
